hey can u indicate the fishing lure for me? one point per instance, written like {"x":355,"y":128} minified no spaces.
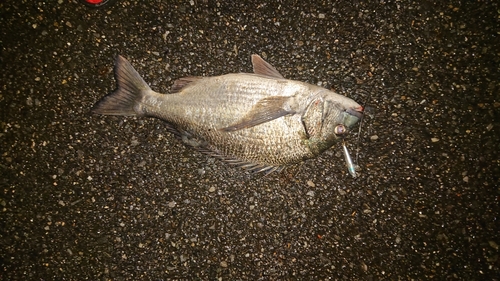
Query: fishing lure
{"x":348,"y":161}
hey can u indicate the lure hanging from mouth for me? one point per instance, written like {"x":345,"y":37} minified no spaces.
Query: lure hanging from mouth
{"x":348,"y":161}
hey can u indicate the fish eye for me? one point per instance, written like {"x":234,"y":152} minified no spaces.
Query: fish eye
{"x":340,"y":130}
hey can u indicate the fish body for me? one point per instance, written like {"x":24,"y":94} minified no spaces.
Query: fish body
{"x":260,"y":121}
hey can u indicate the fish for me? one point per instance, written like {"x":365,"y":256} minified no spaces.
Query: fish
{"x":259,"y":121}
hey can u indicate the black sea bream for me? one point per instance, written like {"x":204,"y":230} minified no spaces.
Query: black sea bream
{"x":260,"y":121}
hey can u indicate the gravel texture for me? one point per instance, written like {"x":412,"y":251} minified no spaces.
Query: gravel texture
{"x":88,"y":197}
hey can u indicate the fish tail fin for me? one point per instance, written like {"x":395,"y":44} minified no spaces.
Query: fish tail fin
{"x":125,"y":100}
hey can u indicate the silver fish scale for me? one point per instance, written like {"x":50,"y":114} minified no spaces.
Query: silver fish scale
{"x":209,"y":104}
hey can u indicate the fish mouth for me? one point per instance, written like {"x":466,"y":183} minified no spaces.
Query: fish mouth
{"x":353,"y":115}
{"x":356,"y":111}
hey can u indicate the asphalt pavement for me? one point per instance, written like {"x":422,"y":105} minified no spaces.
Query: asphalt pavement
{"x":90,"y":197}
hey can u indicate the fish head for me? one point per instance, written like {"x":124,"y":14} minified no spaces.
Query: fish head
{"x":329,"y":118}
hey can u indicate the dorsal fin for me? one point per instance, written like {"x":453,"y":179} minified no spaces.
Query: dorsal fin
{"x":262,"y":67}
{"x":180,"y":83}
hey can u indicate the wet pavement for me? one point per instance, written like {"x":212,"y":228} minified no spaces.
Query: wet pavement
{"x":88,"y":197}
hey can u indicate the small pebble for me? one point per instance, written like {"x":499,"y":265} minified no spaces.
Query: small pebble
{"x":183,"y":258}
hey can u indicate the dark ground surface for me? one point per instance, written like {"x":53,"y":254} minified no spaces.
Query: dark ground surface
{"x":87,"y":197}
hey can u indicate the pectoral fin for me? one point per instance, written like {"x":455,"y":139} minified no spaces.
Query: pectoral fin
{"x":265,"y":110}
